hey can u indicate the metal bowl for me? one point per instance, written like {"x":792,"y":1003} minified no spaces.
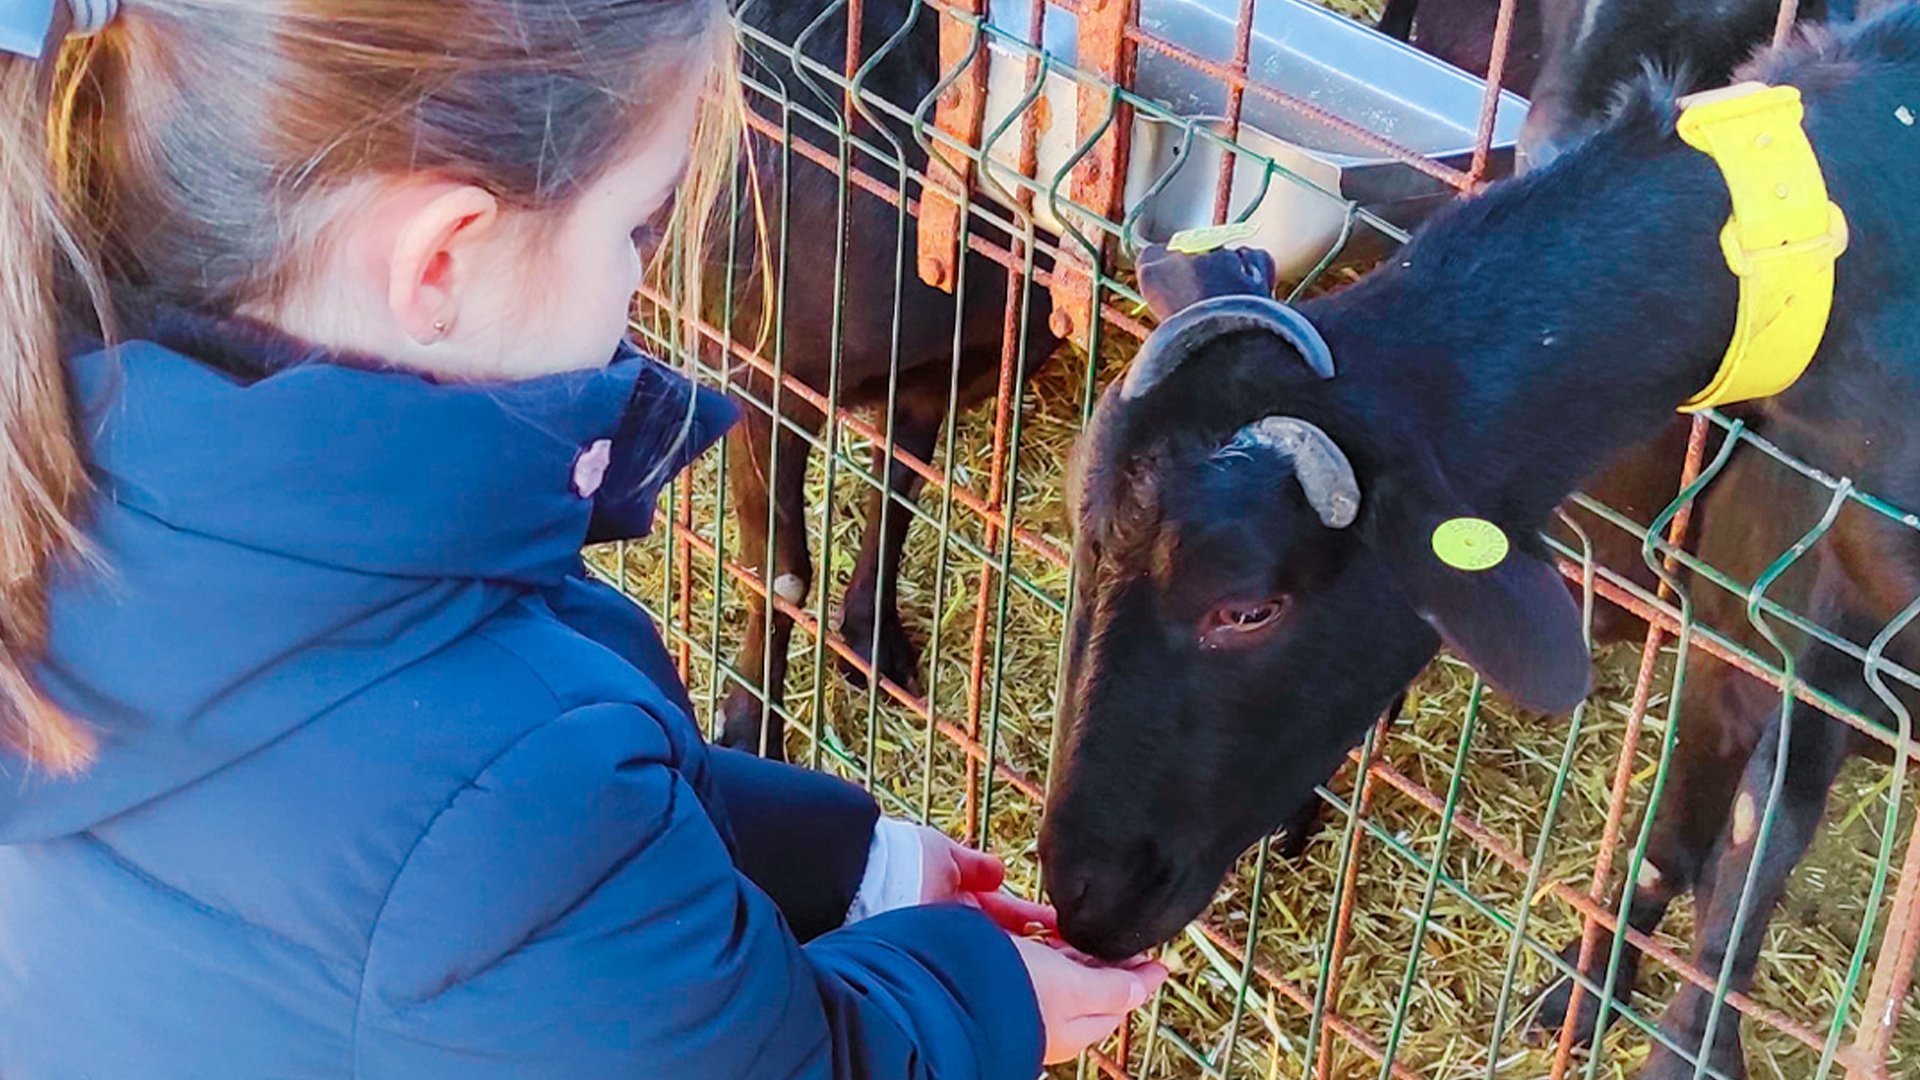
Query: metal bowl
{"x":1342,"y":67}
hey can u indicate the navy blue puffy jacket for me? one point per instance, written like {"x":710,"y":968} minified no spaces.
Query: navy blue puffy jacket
{"x":388,"y":789}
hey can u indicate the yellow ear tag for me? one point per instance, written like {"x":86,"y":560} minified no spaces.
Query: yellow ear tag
{"x":1212,"y":237}
{"x":1471,"y":544}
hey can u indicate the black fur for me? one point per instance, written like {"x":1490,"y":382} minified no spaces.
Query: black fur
{"x":1594,"y":47}
{"x":1513,"y":349}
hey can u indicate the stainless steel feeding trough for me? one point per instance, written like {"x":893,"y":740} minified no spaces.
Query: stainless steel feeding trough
{"x":1298,"y":48}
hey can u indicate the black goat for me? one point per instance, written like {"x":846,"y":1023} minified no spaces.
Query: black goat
{"x":1255,"y":502}
{"x":933,"y":371}
{"x":1593,"y":47}
{"x":1570,"y":57}
{"x":1461,"y":33}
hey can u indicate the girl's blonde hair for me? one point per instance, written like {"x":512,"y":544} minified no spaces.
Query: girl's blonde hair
{"x":183,"y":158}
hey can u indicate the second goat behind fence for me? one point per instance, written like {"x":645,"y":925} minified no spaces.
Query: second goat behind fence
{"x":849,"y":320}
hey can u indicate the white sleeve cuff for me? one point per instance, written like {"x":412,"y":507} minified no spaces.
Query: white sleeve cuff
{"x":896,"y":866}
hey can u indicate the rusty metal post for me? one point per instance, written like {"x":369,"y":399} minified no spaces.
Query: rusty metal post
{"x":1236,"y":101}
{"x":1099,"y":178}
{"x":961,"y":113}
{"x":1892,"y":972}
{"x":1012,"y":356}
{"x":1490,"y":106}
{"x":1623,"y":770}
{"x":1349,"y":887}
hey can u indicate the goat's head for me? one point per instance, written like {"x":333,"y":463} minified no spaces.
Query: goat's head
{"x":1257,"y":582}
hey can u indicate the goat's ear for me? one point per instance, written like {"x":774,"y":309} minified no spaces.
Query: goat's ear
{"x":1514,"y":621}
{"x":1171,"y":281}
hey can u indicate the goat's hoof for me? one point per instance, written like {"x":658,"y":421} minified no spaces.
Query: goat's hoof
{"x":891,"y":653}
{"x":1554,"y":1002}
{"x":741,"y":728}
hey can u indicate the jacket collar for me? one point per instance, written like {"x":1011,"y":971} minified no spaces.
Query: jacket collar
{"x":227,"y":429}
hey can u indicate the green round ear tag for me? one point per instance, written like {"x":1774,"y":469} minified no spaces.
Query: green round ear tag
{"x":1470,"y":543}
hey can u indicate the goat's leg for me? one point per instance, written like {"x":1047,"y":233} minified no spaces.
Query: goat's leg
{"x":1396,"y":19}
{"x":751,"y":720}
{"x":870,"y":615}
{"x":1719,"y":708}
{"x":1817,"y":746}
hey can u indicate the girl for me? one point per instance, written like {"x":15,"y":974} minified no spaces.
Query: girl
{"x":322,"y":757}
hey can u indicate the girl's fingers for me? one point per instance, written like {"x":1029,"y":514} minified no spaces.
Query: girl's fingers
{"x":1013,"y":914}
{"x":1119,"y":991}
{"x":979,"y":871}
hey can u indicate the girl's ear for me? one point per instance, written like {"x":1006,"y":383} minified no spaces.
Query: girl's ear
{"x":433,"y":257}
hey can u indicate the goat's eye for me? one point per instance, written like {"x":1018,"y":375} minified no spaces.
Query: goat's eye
{"x":1236,"y":624}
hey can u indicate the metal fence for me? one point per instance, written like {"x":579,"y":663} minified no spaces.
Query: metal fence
{"x":1467,"y":844}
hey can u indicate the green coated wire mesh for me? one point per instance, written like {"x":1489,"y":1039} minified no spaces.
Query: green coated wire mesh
{"x":1467,"y":844}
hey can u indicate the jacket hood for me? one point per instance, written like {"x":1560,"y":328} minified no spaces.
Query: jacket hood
{"x":277,"y":528}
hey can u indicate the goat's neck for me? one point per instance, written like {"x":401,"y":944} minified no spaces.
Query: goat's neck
{"x":1547,"y":326}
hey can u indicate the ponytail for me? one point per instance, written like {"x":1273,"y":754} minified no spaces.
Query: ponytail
{"x":42,"y":479}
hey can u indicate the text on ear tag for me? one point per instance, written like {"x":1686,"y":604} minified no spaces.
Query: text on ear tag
{"x":1471,"y":544}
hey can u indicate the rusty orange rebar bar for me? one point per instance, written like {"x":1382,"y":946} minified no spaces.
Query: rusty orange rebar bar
{"x":960,"y":114}
{"x":1115,"y":1070}
{"x":1006,"y":397}
{"x":1629,"y":743}
{"x":1892,"y":972}
{"x":1097,"y":180}
{"x":1236,"y":97}
{"x":1490,"y":106}
{"x":1349,"y":885}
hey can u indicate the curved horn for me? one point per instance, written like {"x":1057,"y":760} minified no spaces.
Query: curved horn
{"x":1172,"y":341}
{"x":1321,"y":466}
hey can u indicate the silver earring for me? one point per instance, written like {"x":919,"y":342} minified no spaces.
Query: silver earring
{"x":439,"y":328}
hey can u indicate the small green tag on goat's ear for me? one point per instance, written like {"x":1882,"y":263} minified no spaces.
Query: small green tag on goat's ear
{"x":1212,"y":237}
{"x":1471,"y":544}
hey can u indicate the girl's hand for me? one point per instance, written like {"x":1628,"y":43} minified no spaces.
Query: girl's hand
{"x":1083,"y":1002}
{"x":914,"y":864}
{"x":953,"y":873}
